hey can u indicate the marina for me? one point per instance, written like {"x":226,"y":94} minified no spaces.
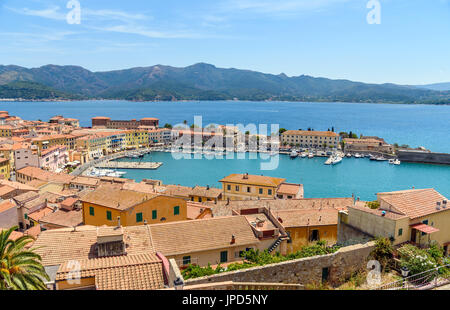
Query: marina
{"x":359,"y":176}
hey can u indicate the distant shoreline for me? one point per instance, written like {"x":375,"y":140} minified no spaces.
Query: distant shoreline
{"x":10,"y":100}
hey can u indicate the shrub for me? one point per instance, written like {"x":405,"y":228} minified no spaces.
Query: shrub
{"x":415,"y":259}
{"x":383,"y":252}
{"x":373,"y":204}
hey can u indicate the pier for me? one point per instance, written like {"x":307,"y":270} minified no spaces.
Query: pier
{"x":129,"y":165}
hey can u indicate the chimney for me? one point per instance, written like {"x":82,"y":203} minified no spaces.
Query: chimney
{"x":438,"y":205}
{"x":245,"y":176}
{"x":444,"y":204}
{"x":145,"y":222}
{"x":207,"y":187}
{"x":118,"y":222}
{"x":233,"y":239}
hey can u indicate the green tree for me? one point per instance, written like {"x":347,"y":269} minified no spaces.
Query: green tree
{"x":280,"y":132}
{"x":20,"y":268}
{"x":383,"y":252}
{"x":168,"y":126}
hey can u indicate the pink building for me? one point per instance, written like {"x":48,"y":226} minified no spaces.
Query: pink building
{"x":54,"y":158}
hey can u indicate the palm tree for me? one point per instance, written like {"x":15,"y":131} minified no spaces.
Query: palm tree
{"x":20,"y":268}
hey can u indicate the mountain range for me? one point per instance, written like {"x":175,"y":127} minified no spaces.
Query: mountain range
{"x":198,"y":82}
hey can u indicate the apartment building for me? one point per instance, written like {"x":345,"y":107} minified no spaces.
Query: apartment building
{"x":106,"y":122}
{"x":368,"y":145}
{"x":245,"y":186}
{"x":108,"y":203}
{"x":420,"y":216}
{"x":310,"y":139}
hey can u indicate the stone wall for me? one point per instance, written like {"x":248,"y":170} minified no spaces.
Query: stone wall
{"x":303,"y":271}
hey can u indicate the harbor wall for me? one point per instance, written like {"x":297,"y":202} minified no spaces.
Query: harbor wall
{"x":424,"y":157}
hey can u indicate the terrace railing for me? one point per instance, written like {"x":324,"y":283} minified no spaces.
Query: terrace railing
{"x":422,"y":281}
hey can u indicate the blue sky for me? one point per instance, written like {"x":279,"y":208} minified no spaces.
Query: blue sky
{"x":328,"y":38}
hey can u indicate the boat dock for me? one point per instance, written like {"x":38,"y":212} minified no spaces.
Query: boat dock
{"x":129,"y":165}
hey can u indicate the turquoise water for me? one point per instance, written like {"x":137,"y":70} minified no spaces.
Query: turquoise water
{"x":361,"y":177}
{"x":416,"y":125}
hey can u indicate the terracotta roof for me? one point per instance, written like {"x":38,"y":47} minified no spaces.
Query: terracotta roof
{"x":195,"y":209}
{"x":310,"y":133}
{"x":44,"y":175}
{"x":307,"y":217}
{"x":390,"y":215}
{"x":113,"y":196}
{"x":414,"y":203}
{"x":224,"y":208}
{"x":290,"y":189}
{"x":63,"y":218}
{"x":253,"y":180}
{"x":17,"y":185}
{"x":38,"y":214}
{"x":201,"y":235}
{"x":22,"y":198}
{"x":177,"y":190}
{"x":131,"y":272}
{"x":202,"y":191}
{"x":57,"y":246}
{"x":425,"y":228}
{"x":85,"y":181}
{"x":6,"y":205}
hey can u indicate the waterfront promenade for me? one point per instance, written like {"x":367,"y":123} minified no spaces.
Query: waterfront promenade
{"x":129,"y":165}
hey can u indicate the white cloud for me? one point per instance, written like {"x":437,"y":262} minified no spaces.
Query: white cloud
{"x":49,"y":13}
{"x":146,"y":32}
{"x":278,"y":6}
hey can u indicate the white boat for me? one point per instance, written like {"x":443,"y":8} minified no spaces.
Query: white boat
{"x":397,"y":162}
{"x":357,"y":155}
{"x":311,"y":155}
{"x":293,"y":154}
{"x":381,"y":158}
{"x":329,"y":161}
{"x":337,"y":160}
{"x":349,"y":155}
{"x":304,"y":155}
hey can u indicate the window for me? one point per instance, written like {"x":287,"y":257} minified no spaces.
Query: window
{"x":400,"y":231}
{"x":237,"y":188}
{"x":91,"y":211}
{"x":224,"y":256}
{"x":269,"y":192}
{"x":108,"y":215}
{"x":229,"y":187}
{"x":248,"y":189}
{"x":154,"y":214}
{"x":314,"y":236}
{"x":426,"y":223}
{"x":176,"y":210}
{"x":260,"y":191}
{"x":186,"y":260}
{"x":325,"y":274}
{"x":139,"y":217}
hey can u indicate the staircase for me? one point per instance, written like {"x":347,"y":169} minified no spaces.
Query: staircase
{"x":274,"y":245}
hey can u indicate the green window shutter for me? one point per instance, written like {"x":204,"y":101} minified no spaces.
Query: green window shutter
{"x":138,"y":217}
{"x":91,"y":211}
{"x":400,"y":231}
{"x":108,"y":215}
{"x":26,"y":216}
{"x":154,"y":214}
{"x":224,"y":256}
{"x":176,"y":210}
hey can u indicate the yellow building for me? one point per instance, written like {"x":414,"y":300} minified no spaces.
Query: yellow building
{"x":137,"y":138}
{"x":205,"y":194}
{"x":420,"y":216}
{"x":46,"y":142}
{"x":310,"y":139}
{"x":306,"y":226}
{"x":107,"y":203}
{"x":6,"y":131}
{"x":5,"y":169}
{"x":245,"y":187}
